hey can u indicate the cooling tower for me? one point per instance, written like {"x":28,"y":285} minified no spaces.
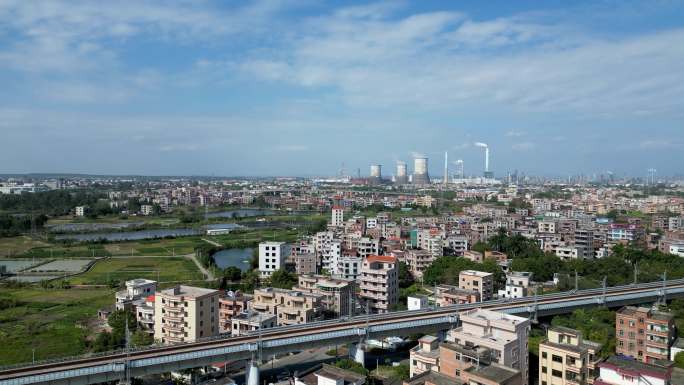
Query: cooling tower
{"x":420,"y":171}
{"x":376,"y":171}
{"x":402,"y":175}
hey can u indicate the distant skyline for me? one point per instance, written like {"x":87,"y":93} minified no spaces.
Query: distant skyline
{"x":296,"y":88}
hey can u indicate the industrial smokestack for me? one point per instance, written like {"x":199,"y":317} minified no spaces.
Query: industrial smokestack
{"x":446,"y":167}
{"x":486,"y":147}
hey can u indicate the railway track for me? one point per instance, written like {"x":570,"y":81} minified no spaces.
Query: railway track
{"x":323,"y":326}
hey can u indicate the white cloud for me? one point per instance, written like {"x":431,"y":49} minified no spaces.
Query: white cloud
{"x":659,"y":144}
{"x":438,"y":60}
{"x":515,"y":133}
{"x":523,"y":146}
{"x":292,"y":147}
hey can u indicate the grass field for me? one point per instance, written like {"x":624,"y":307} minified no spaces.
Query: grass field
{"x":120,"y":269}
{"x":18,"y":245}
{"x":53,"y":322}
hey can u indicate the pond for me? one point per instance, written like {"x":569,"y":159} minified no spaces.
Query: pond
{"x":240,"y":213}
{"x":14,"y":265}
{"x":131,"y":235}
{"x":234,"y":257}
{"x":82,"y":227}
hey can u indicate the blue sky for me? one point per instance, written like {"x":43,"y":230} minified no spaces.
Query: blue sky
{"x":299,"y":87}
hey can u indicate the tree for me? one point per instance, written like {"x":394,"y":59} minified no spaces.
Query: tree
{"x":351,"y":365}
{"x":405,"y":276}
{"x":250,"y":280}
{"x":283,"y":279}
{"x":103,"y":342}
{"x":232,"y":273}
{"x":141,"y":338}
{"x":679,"y":360}
{"x":117,"y":320}
{"x":445,"y":270}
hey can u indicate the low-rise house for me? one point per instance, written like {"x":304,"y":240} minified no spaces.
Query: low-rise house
{"x":479,"y":281}
{"x":618,"y":370}
{"x":517,"y":285}
{"x":329,"y":375}
{"x":244,"y":323}
{"x":336,"y":293}
{"x":424,"y":356}
{"x":136,"y":289}
{"x":230,"y":305}
{"x":565,"y":358}
{"x":447,"y":295}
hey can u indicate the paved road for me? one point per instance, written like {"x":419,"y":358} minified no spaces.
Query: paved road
{"x":213,"y":243}
{"x":207,"y":273}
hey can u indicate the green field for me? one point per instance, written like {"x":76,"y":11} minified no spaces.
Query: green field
{"x":18,"y":245}
{"x":53,"y":322}
{"x":164,"y":269}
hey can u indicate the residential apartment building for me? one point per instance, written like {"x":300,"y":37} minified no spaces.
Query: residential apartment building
{"x":479,"y":281}
{"x":305,"y":263}
{"x":336,"y":293}
{"x":517,"y":285}
{"x":467,"y":365}
{"x":244,"y":323}
{"x":565,"y":358}
{"x":620,"y":371}
{"x":424,"y":356}
{"x":505,"y":335}
{"x":418,"y":261}
{"x":337,"y":219}
{"x":147,"y":209}
{"x":271,"y":258}
{"x":290,"y":307}
{"x":136,"y":289}
{"x":447,"y":295}
{"x":230,"y":305}
{"x":185,"y":314}
{"x":644,"y":334}
{"x":144,"y":315}
{"x":379,"y":283}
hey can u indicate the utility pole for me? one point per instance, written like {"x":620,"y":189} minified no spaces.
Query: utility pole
{"x":576,"y":281}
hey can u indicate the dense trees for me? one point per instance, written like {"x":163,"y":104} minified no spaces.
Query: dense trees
{"x":405,"y":277}
{"x":11,"y":225}
{"x":106,"y":341}
{"x":445,"y":270}
{"x":596,"y":324}
{"x":283,"y":279}
{"x":55,"y":202}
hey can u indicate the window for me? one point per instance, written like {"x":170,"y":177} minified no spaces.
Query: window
{"x":557,"y":373}
{"x":543,"y":369}
{"x":543,"y":354}
{"x":556,"y":358}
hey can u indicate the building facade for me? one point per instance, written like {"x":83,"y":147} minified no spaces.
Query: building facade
{"x":185,"y":314}
{"x":379,"y":283}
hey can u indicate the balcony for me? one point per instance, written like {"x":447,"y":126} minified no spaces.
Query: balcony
{"x":175,"y":327}
{"x":173,"y":309}
{"x":173,"y":317}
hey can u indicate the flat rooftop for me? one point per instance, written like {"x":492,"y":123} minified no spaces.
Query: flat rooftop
{"x":188,"y":291}
{"x":494,"y":316}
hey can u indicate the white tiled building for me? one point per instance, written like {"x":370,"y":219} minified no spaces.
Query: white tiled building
{"x":271,"y":257}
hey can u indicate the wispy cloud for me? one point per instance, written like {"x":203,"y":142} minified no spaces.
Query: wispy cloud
{"x":523,"y":146}
{"x":292,"y":147}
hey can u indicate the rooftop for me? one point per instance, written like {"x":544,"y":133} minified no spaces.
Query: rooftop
{"x":490,"y":315}
{"x":494,"y":372}
{"x":310,"y":377}
{"x":188,"y":291}
{"x":629,"y":365}
{"x":476,"y":273}
{"x":381,"y":258}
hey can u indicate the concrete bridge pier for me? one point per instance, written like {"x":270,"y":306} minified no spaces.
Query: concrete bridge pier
{"x":359,"y":353}
{"x":252,"y":373}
